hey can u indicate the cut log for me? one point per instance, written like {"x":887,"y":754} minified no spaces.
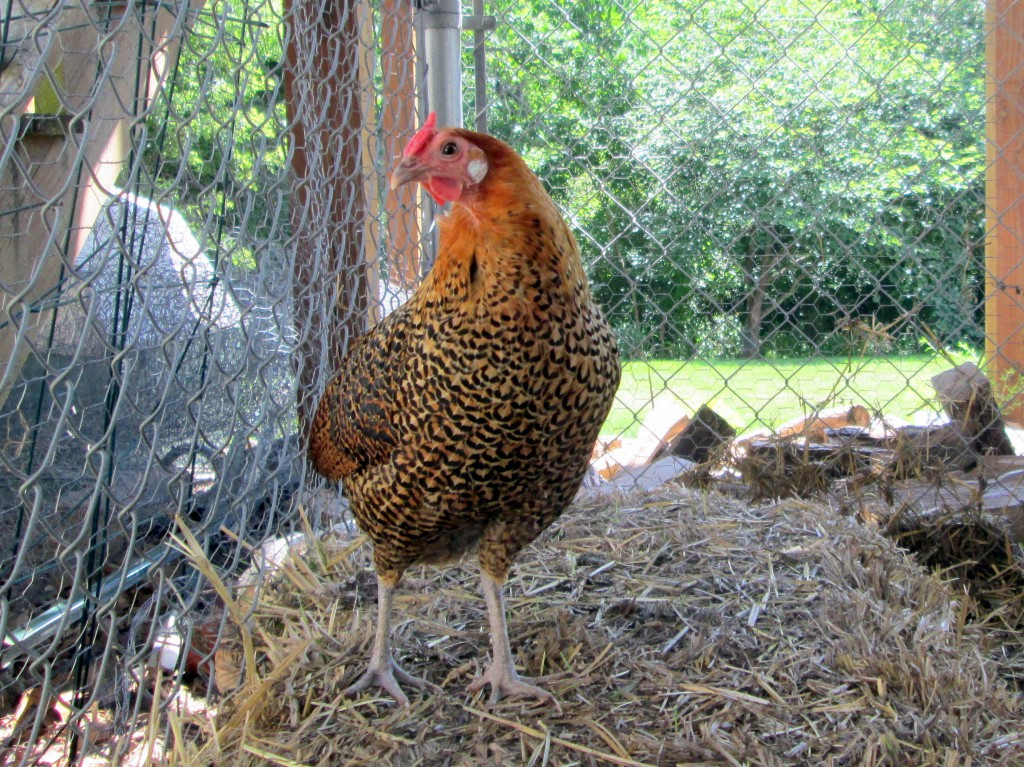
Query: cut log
{"x":674,"y":431}
{"x":602,"y":446}
{"x":992,"y":467}
{"x":663,"y":423}
{"x":649,"y":476}
{"x":965,"y":393}
{"x":779,"y":468}
{"x":919,"y":448}
{"x":840,"y":427}
{"x":968,"y":513}
{"x":703,"y":434}
{"x":838,"y":459}
{"x":612,"y":461}
{"x":815,"y":427}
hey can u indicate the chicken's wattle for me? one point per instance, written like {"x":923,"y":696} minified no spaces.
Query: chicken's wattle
{"x":443,"y":189}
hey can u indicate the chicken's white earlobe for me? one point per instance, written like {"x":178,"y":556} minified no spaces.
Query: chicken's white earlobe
{"x":477,"y":166}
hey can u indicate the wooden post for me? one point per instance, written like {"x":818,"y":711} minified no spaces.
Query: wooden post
{"x":53,"y":183}
{"x":371,"y":179}
{"x":398,"y":123}
{"x":1004,"y":192}
{"x":322,"y":88}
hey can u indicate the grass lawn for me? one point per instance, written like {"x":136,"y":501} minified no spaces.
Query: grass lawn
{"x":752,"y":394}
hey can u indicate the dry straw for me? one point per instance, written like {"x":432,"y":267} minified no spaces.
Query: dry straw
{"x":677,"y":627}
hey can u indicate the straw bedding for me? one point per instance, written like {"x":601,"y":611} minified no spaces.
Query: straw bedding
{"x":680,"y":627}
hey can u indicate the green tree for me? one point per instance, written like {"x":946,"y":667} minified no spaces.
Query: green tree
{"x":742,"y":179}
{"x":754,"y":180}
{"x":217,"y":135}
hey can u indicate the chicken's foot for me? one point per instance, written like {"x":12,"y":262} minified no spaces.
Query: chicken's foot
{"x":383,"y":672}
{"x":501,"y":675}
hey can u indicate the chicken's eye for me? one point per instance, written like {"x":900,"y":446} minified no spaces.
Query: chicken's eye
{"x":449,"y":149}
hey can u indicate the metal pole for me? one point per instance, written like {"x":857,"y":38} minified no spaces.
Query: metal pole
{"x":428,"y":233}
{"x":479,"y":66}
{"x":442,"y":26}
{"x":440,"y":22}
{"x":480,"y":25}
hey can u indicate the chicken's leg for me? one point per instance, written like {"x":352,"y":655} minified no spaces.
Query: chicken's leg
{"x":383,"y":671}
{"x":501,"y":675}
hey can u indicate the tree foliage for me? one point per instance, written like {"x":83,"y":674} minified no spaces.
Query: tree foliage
{"x":758,"y":179}
{"x":743,"y":178}
{"x":218,"y":135}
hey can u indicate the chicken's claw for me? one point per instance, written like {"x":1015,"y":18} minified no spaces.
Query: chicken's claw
{"x":506,"y":684}
{"x":387,"y":677}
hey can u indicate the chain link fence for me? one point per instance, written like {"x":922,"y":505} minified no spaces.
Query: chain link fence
{"x":754,"y":184}
{"x":781,"y":206}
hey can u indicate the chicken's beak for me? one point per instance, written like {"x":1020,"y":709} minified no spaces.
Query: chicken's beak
{"x":409,"y":169}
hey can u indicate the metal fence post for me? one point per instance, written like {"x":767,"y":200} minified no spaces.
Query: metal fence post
{"x":442,"y":26}
{"x":440,"y":22}
{"x":480,"y":25}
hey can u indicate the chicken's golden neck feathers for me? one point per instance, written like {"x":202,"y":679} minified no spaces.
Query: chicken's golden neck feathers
{"x":505,"y":227}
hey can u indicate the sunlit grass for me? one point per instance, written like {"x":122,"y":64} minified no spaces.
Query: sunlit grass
{"x":752,"y":394}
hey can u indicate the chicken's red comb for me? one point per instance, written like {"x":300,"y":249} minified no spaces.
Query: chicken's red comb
{"x":422,"y":137}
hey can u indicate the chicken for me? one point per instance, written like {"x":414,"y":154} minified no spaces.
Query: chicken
{"x":466,"y":418}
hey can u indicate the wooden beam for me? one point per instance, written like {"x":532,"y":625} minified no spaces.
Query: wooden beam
{"x":1004,"y":192}
{"x":328,"y":205}
{"x":371,"y":178}
{"x":53,"y":185}
{"x":398,"y":123}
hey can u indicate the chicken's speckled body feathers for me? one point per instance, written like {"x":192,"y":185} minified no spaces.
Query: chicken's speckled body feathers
{"x":468,"y":415}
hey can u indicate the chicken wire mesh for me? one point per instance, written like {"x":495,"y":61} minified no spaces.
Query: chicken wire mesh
{"x":170,"y":248}
{"x":781,"y":205}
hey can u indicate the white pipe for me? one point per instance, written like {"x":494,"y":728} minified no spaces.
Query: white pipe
{"x":23,"y":641}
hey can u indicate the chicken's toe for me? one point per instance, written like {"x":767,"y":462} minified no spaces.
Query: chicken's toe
{"x":387,"y":678}
{"x":405,"y":677}
{"x":508,"y":684}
